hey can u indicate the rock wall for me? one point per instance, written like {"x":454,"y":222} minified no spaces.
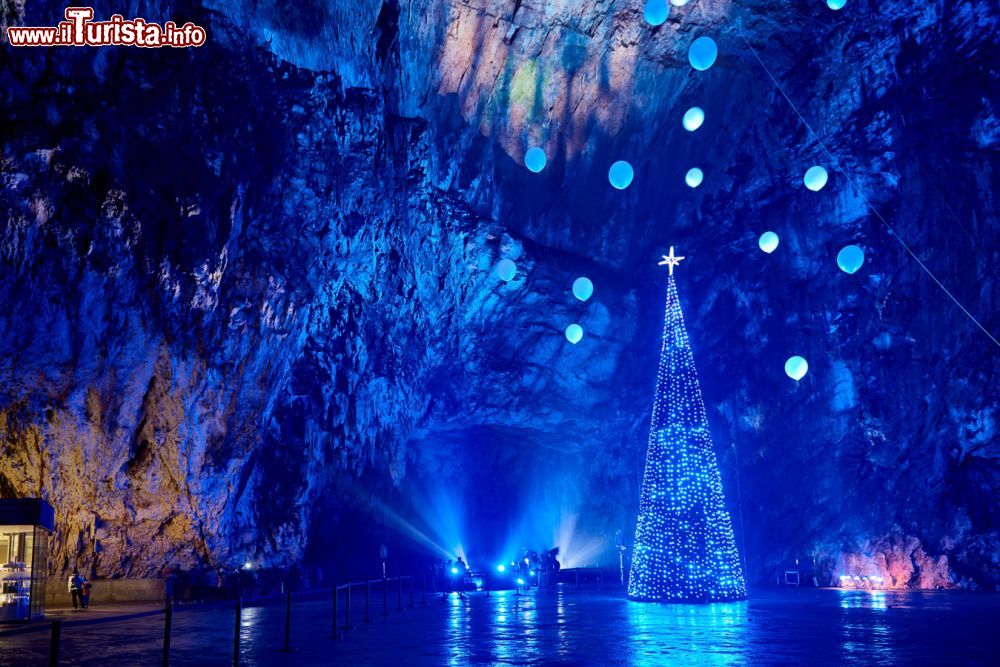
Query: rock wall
{"x":246,"y":282}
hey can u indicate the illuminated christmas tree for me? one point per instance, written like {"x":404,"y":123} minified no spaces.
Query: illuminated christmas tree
{"x":684,"y":545}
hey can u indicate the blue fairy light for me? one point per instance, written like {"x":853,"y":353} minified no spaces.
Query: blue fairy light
{"x":693,"y":118}
{"x":815,"y":178}
{"x":685,"y":549}
{"x":574,"y":333}
{"x":694,"y":177}
{"x":621,"y":174}
{"x":535,"y":159}
{"x":583,"y":288}
{"x":702,"y":53}
{"x":850,"y":258}
{"x":836,"y":4}
{"x":768,"y":242}
{"x":796,"y":367}
{"x":506,"y":269}
{"x":655,"y":12}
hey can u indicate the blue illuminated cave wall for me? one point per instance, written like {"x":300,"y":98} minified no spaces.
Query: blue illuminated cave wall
{"x":251,"y":307}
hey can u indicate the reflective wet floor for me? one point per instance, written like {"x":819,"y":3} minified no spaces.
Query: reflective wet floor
{"x":566,"y":626}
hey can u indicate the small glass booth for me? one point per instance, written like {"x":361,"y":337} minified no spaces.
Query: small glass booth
{"x":25,"y":526}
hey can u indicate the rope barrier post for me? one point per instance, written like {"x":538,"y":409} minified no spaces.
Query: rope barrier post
{"x":336,"y":594}
{"x":54,"y":642}
{"x":168,"y":615}
{"x":236,"y":631}
{"x":287,"y":648}
{"x":411,"y":592}
{"x":399,"y":594}
{"x":368,"y":599}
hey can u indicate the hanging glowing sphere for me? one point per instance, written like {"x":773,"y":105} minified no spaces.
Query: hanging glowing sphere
{"x":796,"y":367}
{"x":621,"y":174}
{"x":535,"y":159}
{"x":655,"y":12}
{"x":703,"y":53}
{"x":850,"y":258}
{"x":836,"y":4}
{"x":693,"y":118}
{"x":694,"y":177}
{"x":574,"y":333}
{"x":501,"y":568}
{"x":768,"y":242}
{"x":506,"y":269}
{"x":678,"y":3}
{"x":583,"y":288}
{"x":815,"y":178}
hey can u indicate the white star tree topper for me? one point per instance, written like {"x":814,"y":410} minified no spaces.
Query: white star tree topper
{"x":670,"y":261}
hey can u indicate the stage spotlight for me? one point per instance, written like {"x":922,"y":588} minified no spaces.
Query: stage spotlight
{"x":501,"y":568}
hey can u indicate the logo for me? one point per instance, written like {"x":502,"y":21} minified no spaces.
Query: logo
{"x":79,"y":29}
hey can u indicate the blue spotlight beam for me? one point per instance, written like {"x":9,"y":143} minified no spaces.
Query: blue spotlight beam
{"x":684,"y":545}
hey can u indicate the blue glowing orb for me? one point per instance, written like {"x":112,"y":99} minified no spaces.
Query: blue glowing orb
{"x":621,"y":174}
{"x":693,"y":118}
{"x":815,"y":178}
{"x":850,"y":258}
{"x":655,"y":12}
{"x":574,"y":333}
{"x":501,"y":568}
{"x":836,"y":4}
{"x":535,"y":159}
{"x":520,"y":581}
{"x":454,"y":570}
{"x":703,"y":53}
{"x":694,"y":177}
{"x":796,"y":367}
{"x":506,"y":269}
{"x":583,"y":288}
{"x":768,"y":242}
{"x":678,"y":3}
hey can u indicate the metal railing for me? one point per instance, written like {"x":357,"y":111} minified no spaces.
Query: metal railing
{"x":385,"y":585}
